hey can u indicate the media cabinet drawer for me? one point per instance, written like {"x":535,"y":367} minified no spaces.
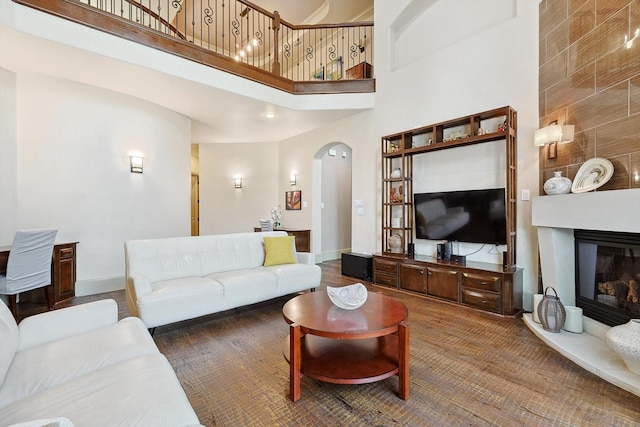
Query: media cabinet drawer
{"x":483,"y":282}
{"x":385,"y":279}
{"x":484,"y":300}
{"x":381,"y":265}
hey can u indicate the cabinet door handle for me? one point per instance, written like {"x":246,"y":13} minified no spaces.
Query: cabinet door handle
{"x":428,"y":272}
{"x":421,"y":271}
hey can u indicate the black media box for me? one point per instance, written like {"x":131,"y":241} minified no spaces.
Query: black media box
{"x":357,"y":265}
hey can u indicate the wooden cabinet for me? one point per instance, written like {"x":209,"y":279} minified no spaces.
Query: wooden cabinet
{"x":385,"y":272}
{"x":442,"y":282}
{"x":399,"y":149}
{"x":482,"y":291}
{"x":490,"y":287}
{"x":413,"y":277}
{"x":363,"y":70}
{"x":64,"y":272}
{"x":475,"y":284}
{"x":303,"y":237}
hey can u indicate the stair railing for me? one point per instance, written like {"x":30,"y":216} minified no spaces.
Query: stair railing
{"x":247,"y":33}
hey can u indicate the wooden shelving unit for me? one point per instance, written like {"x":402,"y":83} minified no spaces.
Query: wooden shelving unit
{"x":393,"y":267}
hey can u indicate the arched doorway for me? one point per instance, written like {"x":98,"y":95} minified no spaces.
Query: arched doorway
{"x":331,"y":217}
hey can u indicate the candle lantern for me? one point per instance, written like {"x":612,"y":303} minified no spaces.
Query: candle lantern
{"x":551,"y":312}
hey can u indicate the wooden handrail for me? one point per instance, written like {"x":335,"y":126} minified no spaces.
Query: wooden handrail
{"x":158,"y":17}
{"x":103,"y":21}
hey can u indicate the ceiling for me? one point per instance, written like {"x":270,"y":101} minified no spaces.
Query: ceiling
{"x":223,"y":108}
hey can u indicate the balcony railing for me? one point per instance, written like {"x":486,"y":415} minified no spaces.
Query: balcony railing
{"x":239,"y":37}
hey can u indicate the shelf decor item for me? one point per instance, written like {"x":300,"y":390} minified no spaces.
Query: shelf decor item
{"x":625,"y":341}
{"x":395,"y":243}
{"x":557,"y":184}
{"x":551,"y":312}
{"x":348,"y":297}
{"x":396,"y":173}
{"x":594,"y":173}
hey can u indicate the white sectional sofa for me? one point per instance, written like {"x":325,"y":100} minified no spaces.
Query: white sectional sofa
{"x":174,"y":279}
{"x":83,"y":365}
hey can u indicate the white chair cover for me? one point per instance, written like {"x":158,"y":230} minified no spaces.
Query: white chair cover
{"x":29,"y":264}
{"x":265,"y":225}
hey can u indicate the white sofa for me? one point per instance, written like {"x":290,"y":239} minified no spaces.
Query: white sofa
{"x":82,"y":364}
{"x":180,"y":278}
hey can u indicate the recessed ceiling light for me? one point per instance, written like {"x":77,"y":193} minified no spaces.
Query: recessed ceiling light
{"x":270,"y":115}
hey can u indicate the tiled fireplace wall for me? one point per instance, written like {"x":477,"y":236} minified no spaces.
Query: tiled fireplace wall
{"x":589,"y":79}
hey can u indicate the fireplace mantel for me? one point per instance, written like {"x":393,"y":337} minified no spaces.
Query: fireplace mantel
{"x":604,"y":210}
{"x":556,"y":217}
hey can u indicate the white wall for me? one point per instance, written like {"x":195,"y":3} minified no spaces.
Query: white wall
{"x":225,"y":209}
{"x":489,"y":68}
{"x":336,"y":202}
{"x":73,"y":172}
{"x":8,"y":156}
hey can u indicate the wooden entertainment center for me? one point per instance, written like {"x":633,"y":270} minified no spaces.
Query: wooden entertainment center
{"x":491,"y":287}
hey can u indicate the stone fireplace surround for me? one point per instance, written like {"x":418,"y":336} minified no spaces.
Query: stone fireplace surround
{"x":556,"y":217}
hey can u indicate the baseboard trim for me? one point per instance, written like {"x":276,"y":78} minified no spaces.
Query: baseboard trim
{"x":99,"y":286}
{"x":331,"y":255}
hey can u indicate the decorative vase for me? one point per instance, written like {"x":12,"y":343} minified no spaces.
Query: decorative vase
{"x":551,"y":312}
{"x":395,"y":243}
{"x":396,"y":173}
{"x":625,"y":340}
{"x":573,"y":323}
{"x":557,"y":184}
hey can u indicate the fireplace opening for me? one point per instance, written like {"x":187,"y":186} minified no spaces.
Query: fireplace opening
{"x":608,"y":275}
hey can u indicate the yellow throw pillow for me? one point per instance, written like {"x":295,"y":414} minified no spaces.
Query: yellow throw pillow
{"x":279,"y":250}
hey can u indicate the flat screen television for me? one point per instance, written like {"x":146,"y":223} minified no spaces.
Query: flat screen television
{"x":475,"y":216}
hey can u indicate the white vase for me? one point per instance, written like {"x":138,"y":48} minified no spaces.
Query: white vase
{"x":625,"y":340}
{"x":395,"y":243}
{"x":557,"y":184}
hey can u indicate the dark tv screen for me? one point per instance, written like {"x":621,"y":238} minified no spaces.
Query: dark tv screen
{"x":475,"y":216}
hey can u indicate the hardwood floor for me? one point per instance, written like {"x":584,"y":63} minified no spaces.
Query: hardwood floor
{"x":467,"y":368}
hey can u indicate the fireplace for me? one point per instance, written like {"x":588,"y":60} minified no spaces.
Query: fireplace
{"x":612,"y":213}
{"x":607,"y":271}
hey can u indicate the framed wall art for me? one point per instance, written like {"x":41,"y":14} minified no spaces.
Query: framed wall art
{"x":293,"y":200}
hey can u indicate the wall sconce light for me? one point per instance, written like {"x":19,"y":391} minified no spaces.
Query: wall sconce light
{"x":551,"y":135}
{"x":293,"y":178}
{"x":136,"y":164}
{"x":237,"y":181}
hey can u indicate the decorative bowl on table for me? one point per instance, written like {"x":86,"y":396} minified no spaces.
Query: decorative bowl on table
{"x":348,"y":297}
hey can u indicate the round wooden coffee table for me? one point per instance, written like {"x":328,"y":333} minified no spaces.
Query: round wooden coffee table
{"x":339,"y":346}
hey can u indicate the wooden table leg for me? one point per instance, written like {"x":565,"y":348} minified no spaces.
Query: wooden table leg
{"x":295,"y":361}
{"x":403,"y":361}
